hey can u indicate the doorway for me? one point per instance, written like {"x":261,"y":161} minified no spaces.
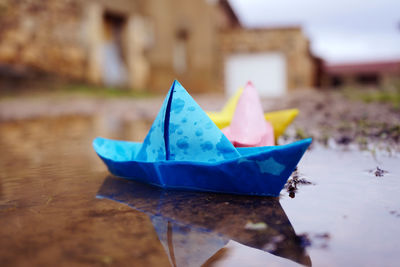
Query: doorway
{"x":114,"y":67}
{"x":267,"y":71}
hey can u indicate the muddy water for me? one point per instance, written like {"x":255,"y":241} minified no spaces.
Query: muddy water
{"x":59,"y":206}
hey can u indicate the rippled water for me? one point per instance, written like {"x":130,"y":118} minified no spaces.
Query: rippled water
{"x":59,"y":206}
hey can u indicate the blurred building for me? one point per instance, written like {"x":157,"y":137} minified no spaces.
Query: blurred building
{"x":145,"y":44}
{"x":275,"y":59}
{"x":375,"y":74}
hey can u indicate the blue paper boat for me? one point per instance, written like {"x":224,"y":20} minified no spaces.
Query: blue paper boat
{"x":184,"y":149}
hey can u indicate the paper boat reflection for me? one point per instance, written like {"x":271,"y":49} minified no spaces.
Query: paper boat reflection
{"x":193,"y":227}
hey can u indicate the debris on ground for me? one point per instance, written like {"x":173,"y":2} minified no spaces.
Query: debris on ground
{"x":331,"y":118}
{"x":378,"y":172}
{"x":316,"y":240}
{"x":294,"y":180}
{"x":259,"y":226}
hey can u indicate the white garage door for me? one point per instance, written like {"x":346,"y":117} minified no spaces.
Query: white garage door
{"x":267,"y":71}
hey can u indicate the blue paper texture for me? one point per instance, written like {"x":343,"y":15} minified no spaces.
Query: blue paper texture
{"x":185,"y":149}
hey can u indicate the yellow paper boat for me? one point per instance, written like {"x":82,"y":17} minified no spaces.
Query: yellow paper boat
{"x":280,"y":120}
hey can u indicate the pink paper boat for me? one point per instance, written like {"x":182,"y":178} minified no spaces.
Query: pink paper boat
{"x":248,"y":127}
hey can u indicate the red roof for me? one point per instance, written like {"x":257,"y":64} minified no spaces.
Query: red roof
{"x":367,"y":68}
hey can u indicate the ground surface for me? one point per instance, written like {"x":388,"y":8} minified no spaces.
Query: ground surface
{"x":328,"y":116}
{"x":50,"y":176}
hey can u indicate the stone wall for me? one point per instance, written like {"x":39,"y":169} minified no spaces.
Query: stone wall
{"x":46,"y":35}
{"x":66,"y":37}
{"x":289,"y":41}
{"x":194,"y":21}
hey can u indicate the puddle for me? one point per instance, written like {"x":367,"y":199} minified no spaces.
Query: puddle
{"x":343,"y":215}
{"x":193,"y":227}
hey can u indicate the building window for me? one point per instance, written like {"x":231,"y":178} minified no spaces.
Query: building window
{"x":180,"y":51}
{"x":114,"y":61}
{"x":337,"y":81}
{"x":368,"y":79}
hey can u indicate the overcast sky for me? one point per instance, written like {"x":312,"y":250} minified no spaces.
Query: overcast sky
{"x":340,"y":30}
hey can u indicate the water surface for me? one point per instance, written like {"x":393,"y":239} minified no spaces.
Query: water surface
{"x":49,"y":213}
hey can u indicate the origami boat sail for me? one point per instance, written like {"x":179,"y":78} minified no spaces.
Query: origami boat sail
{"x":249,"y":127}
{"x":185,"y":149}
{"x":183,"y":131}
{"x":280,"y":120}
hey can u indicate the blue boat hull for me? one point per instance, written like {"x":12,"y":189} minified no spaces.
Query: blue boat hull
{"x":258,"y":171}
